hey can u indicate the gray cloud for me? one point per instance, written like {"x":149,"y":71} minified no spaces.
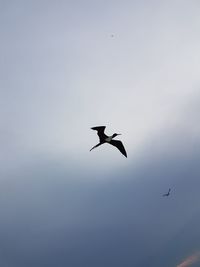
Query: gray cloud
{"x":56,"y":214}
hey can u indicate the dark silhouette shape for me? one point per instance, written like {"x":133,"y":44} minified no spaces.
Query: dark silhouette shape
{"x":103,"y":138}
{"x":167,"y":194}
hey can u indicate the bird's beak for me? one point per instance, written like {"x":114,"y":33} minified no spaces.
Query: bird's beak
{"x":119,"y":134}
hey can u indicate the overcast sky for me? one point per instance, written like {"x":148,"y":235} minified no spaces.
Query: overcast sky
{"x":67,"y":66}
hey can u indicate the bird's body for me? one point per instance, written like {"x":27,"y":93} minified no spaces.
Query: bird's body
{"x":108,"y":139}
{"x":103,"y":138}
{"x":167,"y":194}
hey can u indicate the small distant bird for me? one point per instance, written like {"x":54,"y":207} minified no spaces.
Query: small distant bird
{"x":167,"y":194}
{"x":103,"y":138}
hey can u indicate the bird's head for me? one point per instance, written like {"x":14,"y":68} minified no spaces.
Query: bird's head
{"x":115,"y":134}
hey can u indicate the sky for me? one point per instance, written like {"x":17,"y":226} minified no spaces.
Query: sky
{"x":67,"y":66}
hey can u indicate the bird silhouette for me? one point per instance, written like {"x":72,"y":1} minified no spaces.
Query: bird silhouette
{"x":167,"y":194}
{"x":103,"y":138}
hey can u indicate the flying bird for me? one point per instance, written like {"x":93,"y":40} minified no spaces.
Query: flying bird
{"x":103,"y":138}
{"x":167,"y":194}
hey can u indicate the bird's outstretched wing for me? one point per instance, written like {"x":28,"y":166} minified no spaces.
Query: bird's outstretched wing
{"x":100,"y":132}
{"x":167,"y":194}
{"x":118,"y":144}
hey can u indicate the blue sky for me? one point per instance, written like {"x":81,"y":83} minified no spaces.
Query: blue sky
{"x":67,"y":66}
